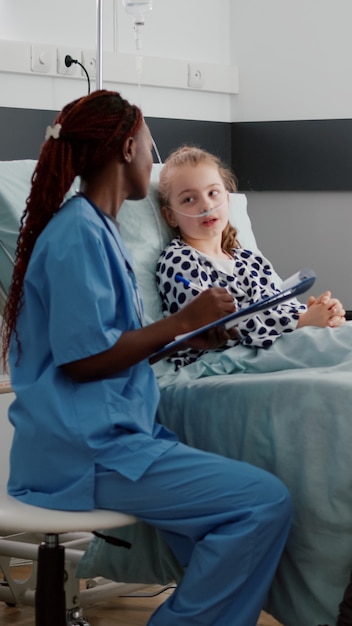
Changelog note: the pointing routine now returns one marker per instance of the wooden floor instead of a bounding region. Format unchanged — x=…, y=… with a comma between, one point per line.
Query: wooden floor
x=119, y=612
x=132, y=611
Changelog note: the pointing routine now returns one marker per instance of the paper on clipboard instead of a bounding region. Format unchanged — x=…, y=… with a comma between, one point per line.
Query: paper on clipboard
x=296, y=284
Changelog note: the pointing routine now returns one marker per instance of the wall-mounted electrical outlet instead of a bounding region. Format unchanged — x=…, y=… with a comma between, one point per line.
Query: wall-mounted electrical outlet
x=61, y=67
x=89, y=60
x=195, y=75
x=42, y=59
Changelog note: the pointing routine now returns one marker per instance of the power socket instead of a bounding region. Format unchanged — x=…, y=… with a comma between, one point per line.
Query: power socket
x=89, y=60
x=61, y=67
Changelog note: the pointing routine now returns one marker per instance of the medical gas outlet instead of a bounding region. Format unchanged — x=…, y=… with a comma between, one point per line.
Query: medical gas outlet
x=195, y=76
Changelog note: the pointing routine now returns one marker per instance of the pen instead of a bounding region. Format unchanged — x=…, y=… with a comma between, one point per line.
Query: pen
x=180, y=279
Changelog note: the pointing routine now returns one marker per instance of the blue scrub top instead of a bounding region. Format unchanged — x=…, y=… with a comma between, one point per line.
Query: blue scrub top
x=79, y=296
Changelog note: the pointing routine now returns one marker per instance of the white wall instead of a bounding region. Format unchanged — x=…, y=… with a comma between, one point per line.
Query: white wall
x=295, y=230
x=193, y=30
x=294, y=61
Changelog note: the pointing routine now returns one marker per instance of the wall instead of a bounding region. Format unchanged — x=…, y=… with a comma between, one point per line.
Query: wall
x=295, y=230
x=294, y=59
x=22, y=134
x=294, y=63
x=180, y=30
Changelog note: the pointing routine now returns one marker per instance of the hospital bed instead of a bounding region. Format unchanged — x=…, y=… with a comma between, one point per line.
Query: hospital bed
x=268, y=409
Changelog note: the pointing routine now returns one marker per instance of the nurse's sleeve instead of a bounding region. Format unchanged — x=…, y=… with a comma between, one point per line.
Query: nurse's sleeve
x=85, y=296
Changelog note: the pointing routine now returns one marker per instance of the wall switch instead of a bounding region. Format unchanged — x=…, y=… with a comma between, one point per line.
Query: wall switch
x=89, y=60
x=195, y=75
x=42, y=59
x=61, y=67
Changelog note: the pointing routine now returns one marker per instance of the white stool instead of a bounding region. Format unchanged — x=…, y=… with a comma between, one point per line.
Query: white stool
x=16, y=517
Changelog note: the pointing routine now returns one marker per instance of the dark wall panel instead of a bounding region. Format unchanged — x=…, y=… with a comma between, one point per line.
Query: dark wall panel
x=213, y=136
x=22, y=134
x=307, y=155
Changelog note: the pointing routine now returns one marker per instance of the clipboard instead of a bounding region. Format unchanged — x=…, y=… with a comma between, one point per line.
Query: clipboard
x=296, y=284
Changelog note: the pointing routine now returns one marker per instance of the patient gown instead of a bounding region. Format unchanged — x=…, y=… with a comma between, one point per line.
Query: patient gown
x=248, y=277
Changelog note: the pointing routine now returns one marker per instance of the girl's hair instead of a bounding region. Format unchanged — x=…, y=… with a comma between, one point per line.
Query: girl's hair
x=87, y=134
x=191, y=155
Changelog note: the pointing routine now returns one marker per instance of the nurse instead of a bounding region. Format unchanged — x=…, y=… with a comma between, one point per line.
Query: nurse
x=86, y=396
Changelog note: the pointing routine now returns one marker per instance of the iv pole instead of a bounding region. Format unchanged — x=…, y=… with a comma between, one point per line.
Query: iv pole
x=99, y=60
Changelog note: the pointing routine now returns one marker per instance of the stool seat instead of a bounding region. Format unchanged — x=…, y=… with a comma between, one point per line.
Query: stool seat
x=18, y=517
x=54, y=542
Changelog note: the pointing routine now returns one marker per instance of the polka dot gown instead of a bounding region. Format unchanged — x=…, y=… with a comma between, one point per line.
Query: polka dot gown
x=251, y=281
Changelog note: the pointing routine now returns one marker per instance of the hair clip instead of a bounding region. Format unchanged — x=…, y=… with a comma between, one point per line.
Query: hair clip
x=53, y=131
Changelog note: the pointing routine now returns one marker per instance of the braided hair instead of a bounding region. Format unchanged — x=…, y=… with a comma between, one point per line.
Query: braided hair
x=86, y=135
x=191, y=155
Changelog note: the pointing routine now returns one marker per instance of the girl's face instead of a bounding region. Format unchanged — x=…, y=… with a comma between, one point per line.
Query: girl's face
x=198, y=202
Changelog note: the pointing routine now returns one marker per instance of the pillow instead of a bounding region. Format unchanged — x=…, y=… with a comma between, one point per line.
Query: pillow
x=15, y=181
x=146, y=234
x=143, y=228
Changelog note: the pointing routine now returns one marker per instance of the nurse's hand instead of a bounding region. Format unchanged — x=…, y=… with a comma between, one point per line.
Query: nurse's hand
x=210, y=305
x=138, y=344
x=214, y=338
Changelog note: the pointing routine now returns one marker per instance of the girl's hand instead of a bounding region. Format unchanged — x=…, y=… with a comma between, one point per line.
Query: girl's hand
x=323, y=311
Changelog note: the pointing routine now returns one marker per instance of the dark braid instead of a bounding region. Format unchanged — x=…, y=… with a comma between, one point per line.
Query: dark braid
x=93, y=131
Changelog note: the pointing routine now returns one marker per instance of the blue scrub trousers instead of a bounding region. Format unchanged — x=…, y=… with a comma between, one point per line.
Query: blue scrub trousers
x=227, y=523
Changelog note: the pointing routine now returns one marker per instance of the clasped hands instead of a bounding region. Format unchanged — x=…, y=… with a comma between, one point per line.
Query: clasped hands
x=212, y=304
x=323, y=311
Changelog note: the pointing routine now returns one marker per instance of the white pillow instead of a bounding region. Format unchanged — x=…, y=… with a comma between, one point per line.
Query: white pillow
x=15, y=181
x=239, y=218
x=142, y=227
x=146, y=234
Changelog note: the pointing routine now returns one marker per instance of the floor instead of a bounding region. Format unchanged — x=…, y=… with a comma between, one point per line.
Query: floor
x=121, y=611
